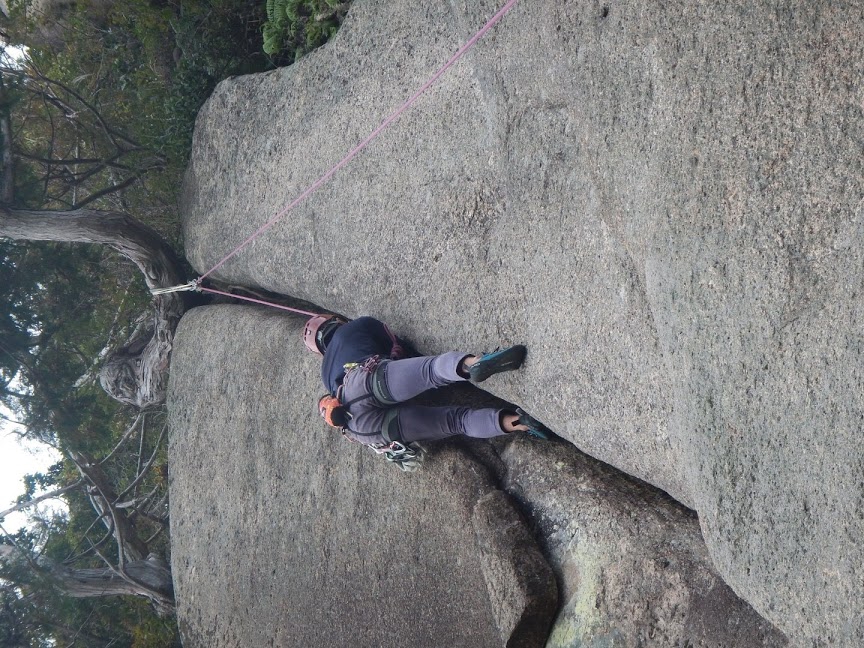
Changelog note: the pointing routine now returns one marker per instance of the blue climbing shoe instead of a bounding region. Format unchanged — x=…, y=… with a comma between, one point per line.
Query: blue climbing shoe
x=499, y=360
x=535, y=427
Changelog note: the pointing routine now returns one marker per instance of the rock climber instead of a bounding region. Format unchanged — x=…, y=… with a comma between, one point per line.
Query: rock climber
x=368, y=378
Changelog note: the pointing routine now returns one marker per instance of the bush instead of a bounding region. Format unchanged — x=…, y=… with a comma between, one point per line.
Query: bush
x=296, y=27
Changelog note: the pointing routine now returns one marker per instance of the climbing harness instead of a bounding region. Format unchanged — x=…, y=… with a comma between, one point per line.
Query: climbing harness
x=336, y=413
x=406, y=456
x=197, y=284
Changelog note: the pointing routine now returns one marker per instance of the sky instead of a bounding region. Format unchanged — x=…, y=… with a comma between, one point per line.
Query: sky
x=16, y=460
x=20, y=457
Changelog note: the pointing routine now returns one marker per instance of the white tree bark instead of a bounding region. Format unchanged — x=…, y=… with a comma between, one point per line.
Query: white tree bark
x=149, y=577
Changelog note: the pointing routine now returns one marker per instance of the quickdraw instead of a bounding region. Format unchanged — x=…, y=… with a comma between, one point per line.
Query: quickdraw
x=408, y=457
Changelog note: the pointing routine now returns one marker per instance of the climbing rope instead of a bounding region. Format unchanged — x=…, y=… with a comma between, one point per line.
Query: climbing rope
x=256, y=301
x=196, y=284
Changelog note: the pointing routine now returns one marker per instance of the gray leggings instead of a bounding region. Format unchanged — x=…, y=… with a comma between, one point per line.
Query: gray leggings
x=378, y=405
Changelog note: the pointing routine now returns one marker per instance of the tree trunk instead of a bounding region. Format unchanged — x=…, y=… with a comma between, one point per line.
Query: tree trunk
x=146, y=577
x=138, y=373
x=150, y=578
x=103, y=498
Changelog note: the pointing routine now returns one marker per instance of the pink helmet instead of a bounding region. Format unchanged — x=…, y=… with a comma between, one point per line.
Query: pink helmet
x=317, y=328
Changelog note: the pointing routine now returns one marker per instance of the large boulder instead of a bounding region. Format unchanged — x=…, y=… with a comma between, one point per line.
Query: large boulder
x=283, y=534
x=631, y=564
x=663, y=200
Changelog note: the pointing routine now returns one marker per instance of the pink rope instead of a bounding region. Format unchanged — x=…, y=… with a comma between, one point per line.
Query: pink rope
x=256, y=301
x=467, y=46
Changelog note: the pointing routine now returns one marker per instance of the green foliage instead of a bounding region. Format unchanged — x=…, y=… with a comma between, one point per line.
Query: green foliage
x=296, y=27
x=35, y=611
x=147, y=66
x=55, y=318
x=35, y=616
x=59, y=302
x=41, y=481
x=212, y=41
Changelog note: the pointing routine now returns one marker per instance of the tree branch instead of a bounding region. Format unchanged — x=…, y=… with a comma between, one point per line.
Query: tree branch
x=105, y=163
x=74, y=557
x=36, y=500
x=124, y=438
x=138, y=378
x=147, y=466
x=7, y=167
x=14, y=422
x=128, y=182
x=128, y=543
x=6, y=552
x=112, y=134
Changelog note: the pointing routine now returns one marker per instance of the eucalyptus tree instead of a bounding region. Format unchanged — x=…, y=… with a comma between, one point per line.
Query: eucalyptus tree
x=60, y=157
x=64, y=174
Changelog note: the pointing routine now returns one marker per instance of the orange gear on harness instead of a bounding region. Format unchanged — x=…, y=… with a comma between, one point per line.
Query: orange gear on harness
x=333, y=412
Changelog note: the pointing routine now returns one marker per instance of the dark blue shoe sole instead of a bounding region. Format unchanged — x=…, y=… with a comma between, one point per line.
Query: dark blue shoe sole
x=535, y=427
x=507, y=359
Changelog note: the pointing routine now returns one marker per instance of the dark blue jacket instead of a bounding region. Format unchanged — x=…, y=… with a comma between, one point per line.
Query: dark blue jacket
x=354, y=342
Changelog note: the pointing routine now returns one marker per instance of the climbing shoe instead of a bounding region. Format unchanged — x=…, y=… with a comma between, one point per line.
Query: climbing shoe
x=535, y=427
x=499, y=360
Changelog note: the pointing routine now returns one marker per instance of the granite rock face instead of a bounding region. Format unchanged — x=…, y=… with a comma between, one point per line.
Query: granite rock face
x=283, y=534
x=631, y=564
x=662, y=200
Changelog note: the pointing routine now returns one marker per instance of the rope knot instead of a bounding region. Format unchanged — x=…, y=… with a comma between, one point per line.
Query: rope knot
x=194, y=286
